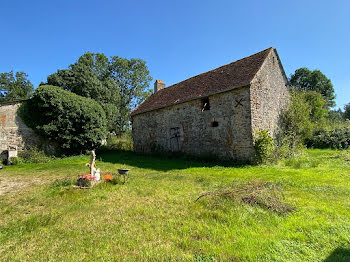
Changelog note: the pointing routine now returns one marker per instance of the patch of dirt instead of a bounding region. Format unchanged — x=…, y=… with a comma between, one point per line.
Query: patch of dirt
x=10, y=184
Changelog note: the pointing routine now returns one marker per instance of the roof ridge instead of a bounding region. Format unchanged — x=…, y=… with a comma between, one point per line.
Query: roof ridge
x=267, y=53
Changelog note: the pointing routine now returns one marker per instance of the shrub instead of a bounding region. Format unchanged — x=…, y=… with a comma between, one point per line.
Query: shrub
x=15, y=160
x=338, y=138
x=296, y=120
x=122, y=143
x=33, y=155
x=264, y=146
x=119, y=143
x=75, y=123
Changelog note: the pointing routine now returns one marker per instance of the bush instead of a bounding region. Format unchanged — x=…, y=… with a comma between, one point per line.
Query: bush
x=15, y=160
x=338, y=138
x=75, y=123
x=33, y=155
x=296, y=120
x=119, y=143
x=264, y=147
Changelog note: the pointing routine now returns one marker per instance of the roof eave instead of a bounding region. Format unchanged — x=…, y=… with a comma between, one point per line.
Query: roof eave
x=14, y=101
x=191, y=99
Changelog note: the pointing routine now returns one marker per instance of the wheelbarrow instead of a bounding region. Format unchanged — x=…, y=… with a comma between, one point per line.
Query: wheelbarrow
x=124, y=173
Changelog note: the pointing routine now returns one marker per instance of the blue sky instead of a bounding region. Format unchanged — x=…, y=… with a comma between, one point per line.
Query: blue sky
x=178, y=39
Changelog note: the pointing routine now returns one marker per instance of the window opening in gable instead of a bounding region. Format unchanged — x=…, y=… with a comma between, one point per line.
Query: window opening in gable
x=205, y=104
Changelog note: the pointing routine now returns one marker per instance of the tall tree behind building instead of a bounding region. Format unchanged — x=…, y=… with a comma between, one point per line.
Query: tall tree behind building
x=118, y=84
x=307, y=80
x=15, y=86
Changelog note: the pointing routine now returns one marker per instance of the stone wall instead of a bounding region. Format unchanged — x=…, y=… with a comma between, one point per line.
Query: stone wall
x=13, y=132
x=269, y=94
x=223, y=131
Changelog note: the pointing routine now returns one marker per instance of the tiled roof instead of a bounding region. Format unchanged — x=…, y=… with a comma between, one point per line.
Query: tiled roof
x=236, y=74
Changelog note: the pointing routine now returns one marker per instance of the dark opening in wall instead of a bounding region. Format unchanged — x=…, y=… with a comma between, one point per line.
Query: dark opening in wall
x=215, y=124
x=205, y=104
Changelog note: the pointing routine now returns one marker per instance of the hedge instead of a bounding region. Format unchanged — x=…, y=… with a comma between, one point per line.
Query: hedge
x=338, y=138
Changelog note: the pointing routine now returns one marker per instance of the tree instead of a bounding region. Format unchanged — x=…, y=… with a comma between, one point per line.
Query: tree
x=336, y=115
x=118, y=84
x=307, y=80
x=347, y=111
x=15, y=86
x=318, y=106
x=296, y=120
x=73, y=122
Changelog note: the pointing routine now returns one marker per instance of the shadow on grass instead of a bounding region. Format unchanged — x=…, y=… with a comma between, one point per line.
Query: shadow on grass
x=161, y=163
x=339, y=255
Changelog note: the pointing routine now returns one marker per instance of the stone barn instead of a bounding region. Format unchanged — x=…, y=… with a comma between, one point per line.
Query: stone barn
x=14, y=134
x=215, y=113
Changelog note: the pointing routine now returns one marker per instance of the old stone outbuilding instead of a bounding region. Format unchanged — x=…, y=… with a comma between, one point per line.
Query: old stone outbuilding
x=216, y=113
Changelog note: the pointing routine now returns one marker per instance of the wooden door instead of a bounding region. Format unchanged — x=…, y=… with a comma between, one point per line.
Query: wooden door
x=174, y=139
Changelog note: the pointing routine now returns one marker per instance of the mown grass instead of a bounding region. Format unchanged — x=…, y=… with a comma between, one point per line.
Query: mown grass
x=154, y=216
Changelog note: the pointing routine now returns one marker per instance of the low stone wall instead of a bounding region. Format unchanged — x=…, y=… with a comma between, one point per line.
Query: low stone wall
x=13, y=132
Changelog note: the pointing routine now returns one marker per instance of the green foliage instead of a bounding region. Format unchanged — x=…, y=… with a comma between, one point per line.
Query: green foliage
x=338, y=138
x=118, y=84
x=63, y=182
x=119, y=143
x=15, y=86
x=296, y=120
x=347, y=111
x=33, y=155
x=319, y=110
x=264, y=146
x=336, y=116
x=15, y=160
x=307, y=80
x=74, y=122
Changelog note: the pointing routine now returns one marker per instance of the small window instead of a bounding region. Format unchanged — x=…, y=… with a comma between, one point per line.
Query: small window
x=205, y=104
x=215, y=124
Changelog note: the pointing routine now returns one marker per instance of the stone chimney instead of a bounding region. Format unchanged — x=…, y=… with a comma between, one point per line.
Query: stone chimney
x=158, y=85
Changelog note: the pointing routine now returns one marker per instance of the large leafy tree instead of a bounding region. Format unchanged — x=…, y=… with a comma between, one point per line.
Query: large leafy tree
x=118, y=84
x=15, y=86
x=307, y=80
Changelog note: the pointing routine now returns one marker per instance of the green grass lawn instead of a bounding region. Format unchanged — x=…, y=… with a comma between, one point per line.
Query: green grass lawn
x=154, y=216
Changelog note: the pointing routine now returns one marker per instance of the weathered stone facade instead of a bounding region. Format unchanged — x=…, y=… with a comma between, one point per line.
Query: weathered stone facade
x=197, y=133
x=13, y=132
x=269, y=94
x=226, y=128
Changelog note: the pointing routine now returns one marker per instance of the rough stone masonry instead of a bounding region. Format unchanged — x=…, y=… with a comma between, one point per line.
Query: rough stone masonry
x=216, y=113
x=13, y=132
